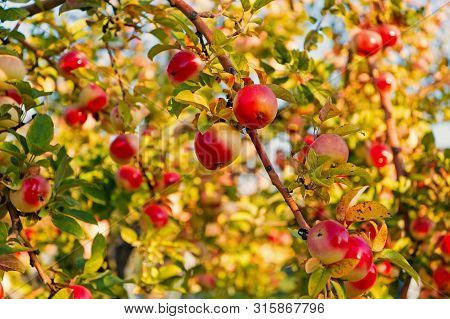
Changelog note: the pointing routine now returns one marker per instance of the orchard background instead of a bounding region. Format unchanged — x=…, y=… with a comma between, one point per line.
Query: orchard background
x=104, y=193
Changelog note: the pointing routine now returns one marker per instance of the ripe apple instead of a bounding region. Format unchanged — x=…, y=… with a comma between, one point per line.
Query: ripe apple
x=80, y=292
x=75, y=116
x=12, y=67
x=328, y=241
x=333, y=146
x=2, y=293
x=389, y=34
x=441, y=278
x=385, y=268
x=34, y=193
x=184, y=66
x=421, y=227
x=218, y=146
x=93, y=97
x=171, y=178
x=157, y=213
x=385, y=83
x=137, y=115
x=12, y=93
x=358, y=249
x=124, y=148
x=357, y=288
x=380, y=154
x=207, y=281
x=129, y=178
x=72, y=60
x=13, y=120
x=255, y=106
x=367, y=43
x=445, y=244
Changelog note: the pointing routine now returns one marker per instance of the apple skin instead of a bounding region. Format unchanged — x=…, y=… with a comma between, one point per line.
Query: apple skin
x=358, y=249
x=12, y=67
x=421, y=227
x=184, y=66
x=380, y=154
x=441, y=278
x=80, y=292
x=171, y=178
x=137, y=115
x=157, y=214
x=328, y=241
x=389, y=34
x=124, y=148
x=357, y=288
x=445, y=244
x=12, y=93
x=75, y=116
x=385, y=83
x=255, y=106
x=72, y=60
x=333, y=146
x=93, y=97
x=218, y=147
x=385, y=268
x=367, y=43
x=129, y=178
x=2, y=293
x=14, y=114
x=33, y=195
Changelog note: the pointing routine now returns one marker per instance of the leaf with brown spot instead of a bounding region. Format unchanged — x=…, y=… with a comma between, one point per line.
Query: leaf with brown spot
x=347, y=201
x=343, y=267
x=11, y=263
x=380, y=239
x=366, y=211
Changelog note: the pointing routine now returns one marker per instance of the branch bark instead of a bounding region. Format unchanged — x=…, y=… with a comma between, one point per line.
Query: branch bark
x=42, y=6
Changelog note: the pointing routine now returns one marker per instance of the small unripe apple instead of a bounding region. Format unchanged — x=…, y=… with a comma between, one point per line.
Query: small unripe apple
x=33, y=195
x=255, y=106
x=367, y=43
x=137, y=115
x=93, y=97
x=2, y=293
x=358, y=249
x=80, y=292
x=385, y=268
x=124, y=148
x=333, y=146
x=421, y=227
x=380, y=154
x=72, y=60
x=218, y=146
x=12, y=67
x=13, y=119
x=385, y=82
x=445, y=244
x=12, y=93
x=184, y=66
x=357, y=288
x=157, y=214
x=129, y=178
x=389, y=34
x=171, y=178
x=328, y=241
x=441, y=278
x=75, y=116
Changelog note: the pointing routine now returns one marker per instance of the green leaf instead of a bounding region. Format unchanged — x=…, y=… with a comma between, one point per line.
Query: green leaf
x=68, y=225
x=64, y=293
x=81, y=215
x=3, y=232
x=98, y=255
x=13, y=247
x=240, y=62
x=155, y=50
x=63, y=171
x=40, y=134
x=128, y=235
x=219, y=38
x=282, y=93
x=317, y=281
x=400, y=261
x=259, y=4
x=339, y=290
x=13, y=14
x=204, y=122
x=346, y=129
x=95, y=193
x=320, y=94
x=246, y=5
x=281, y=53
x=169, y=271
x=349, y=169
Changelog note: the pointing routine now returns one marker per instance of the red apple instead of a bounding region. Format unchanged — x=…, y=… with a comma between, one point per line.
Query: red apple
x=385, y=82
x=441, y=278
x=389, y=34
x=2, y=293
x=80, y=292
x=255, y=106
x=129, y=178
x=12, y=119
x=333, y=146
x=157, y=214
x=367, y=43
x=11, y=68
x=75, y=116
x=381, y=155
x=207, y=281
x=218, y=146
x=445, y=244
x=309, y=139
x=171, y=178
x=184, y=66
x=328, y=241
x=93, y=98
x=12, y=93
x=72, y=60
x=357, y=288
x=421, y=227
x=124, y=148
x=34, y=193
x=385, y=268
x=358, y=249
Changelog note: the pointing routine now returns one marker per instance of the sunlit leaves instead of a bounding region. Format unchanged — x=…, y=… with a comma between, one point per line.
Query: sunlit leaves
x=343, y=267
x=189, y=98
x=98, y=253
x=366, y=211
x=67, y=224
x=258, y=4
x=11, y=263
x=40, y=134
x=282, y=93
x=400, y=261
x=158, y=48
x=381, y=237
x=347, y=201
x=317, y=281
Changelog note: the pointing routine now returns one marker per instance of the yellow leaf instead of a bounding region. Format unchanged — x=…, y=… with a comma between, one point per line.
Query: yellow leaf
x=11, y=263
x=366, y=211
x=187, y=97
x=380, y=239
x=311, y=265
x=343, y=267
x=347, y=201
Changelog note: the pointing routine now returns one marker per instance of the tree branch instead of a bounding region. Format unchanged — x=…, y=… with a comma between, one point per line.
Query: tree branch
x=42, y=6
